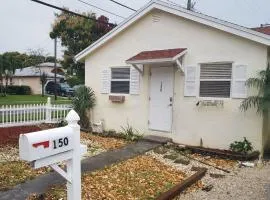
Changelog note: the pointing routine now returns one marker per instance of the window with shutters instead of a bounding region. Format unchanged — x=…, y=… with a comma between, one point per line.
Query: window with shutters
x=215, y=80
x=120, y=80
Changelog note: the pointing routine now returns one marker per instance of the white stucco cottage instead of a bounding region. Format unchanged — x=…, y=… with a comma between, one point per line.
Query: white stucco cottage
x=177, y=73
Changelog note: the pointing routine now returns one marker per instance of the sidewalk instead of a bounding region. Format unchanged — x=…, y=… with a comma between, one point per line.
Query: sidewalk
x=40, y=184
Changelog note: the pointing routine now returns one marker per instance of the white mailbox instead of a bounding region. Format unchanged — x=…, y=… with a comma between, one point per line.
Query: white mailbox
x=37, y=145
x=49, y=147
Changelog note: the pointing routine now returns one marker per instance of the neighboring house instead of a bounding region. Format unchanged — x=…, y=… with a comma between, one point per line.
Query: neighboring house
x=175, y=73
x=31, y=76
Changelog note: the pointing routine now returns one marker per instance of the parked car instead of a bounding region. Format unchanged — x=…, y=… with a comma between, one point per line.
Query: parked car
x=62, y=89
x=75, y=87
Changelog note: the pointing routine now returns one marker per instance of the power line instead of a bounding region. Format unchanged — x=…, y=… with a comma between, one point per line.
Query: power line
x=120, y=4
x=71, y=12
x=101, y=9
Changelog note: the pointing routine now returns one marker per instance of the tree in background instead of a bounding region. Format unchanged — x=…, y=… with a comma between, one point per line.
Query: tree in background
x=43, y=80
x=77, y=33
x=10, y=61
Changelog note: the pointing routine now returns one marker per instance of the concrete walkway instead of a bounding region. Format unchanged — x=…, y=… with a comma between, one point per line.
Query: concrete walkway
x=40, y=184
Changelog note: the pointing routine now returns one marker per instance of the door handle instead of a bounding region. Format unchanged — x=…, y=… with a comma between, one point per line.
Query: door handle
x=170, y=104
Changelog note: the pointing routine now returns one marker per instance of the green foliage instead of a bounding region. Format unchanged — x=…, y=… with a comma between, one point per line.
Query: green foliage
x=62, y=123
x=241, y=146
x=77, y=33
x=84, y=99
x=18, y=90
x=261, y=101
x=130, y=133
x=74, y=80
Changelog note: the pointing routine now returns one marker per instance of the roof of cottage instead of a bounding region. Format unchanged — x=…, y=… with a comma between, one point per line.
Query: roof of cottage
x=157, y=54
x=49, y=64
x=33, y=72
x=264, y=29
x=254, y=35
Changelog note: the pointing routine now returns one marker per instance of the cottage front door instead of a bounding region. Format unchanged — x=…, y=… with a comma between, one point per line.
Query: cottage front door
x=161, y=98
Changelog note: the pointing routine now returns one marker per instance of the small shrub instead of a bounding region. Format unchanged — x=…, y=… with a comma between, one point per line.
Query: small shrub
x=84, y=99
x=241, y=146
x=19, y=90
x=62, y=123
x=129, y=133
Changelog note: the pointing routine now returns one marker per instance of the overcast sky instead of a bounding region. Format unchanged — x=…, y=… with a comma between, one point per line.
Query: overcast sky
x=26, y=24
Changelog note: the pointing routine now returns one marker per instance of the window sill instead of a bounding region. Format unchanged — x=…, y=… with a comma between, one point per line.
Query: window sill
x=214, y=98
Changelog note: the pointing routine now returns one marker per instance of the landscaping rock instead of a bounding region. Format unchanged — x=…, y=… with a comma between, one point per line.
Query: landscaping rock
x=161, y=150
x=216, y=175
x=187, y=151
x=182, y=160
x=171, y=156
x=181, y=147
x=207, y=188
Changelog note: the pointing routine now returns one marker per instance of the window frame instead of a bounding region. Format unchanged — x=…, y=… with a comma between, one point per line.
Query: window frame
x=119, y=80
x=199, y=81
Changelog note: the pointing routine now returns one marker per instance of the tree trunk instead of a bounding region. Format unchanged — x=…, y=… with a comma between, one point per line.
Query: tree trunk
x=42, y=89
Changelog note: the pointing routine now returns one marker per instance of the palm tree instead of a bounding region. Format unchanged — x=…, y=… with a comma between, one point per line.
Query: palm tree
x=84, y=100
x=261, y=101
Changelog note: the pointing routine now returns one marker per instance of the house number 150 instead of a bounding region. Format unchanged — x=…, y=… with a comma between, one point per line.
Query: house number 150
x=61, y=142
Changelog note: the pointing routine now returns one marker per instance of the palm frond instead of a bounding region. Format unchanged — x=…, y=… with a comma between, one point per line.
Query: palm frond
x=252, y=102
x=256, y=83
x=83, y=100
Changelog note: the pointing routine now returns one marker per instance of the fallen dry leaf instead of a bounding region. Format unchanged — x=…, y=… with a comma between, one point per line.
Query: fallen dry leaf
x=142, y=177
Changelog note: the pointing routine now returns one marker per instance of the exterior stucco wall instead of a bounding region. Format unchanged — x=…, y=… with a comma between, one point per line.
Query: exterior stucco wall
x=32, y=82
x=217, y=127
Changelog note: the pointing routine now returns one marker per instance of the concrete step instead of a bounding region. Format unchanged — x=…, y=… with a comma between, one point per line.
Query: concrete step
x=156, y=139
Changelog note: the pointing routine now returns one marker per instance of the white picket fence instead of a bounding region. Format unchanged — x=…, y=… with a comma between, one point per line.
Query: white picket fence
x=29, y=114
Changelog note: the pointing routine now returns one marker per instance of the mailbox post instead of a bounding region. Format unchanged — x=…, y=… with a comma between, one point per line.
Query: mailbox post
x=74, y=164
x=49, y=147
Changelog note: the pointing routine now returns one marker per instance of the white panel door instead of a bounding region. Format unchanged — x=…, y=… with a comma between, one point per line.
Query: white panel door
x=161, y=98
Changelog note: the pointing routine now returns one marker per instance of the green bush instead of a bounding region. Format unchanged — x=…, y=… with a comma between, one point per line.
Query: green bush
x=19, y=90
x=130, y=133
x=241, y=146
x=74, y=80
x=84, y=99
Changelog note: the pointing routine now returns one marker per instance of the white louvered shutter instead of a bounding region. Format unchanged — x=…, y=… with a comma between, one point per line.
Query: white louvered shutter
x=239, y=89
x=190, y=81
x=134, y=81
x=106, y=81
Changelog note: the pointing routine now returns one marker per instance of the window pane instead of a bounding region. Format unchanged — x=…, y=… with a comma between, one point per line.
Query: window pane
x=120, y=73
x=216, y=71
x=215, y=89
x=120, y=87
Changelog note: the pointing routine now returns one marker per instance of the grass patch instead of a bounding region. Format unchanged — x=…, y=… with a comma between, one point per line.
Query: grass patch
x=30, y=99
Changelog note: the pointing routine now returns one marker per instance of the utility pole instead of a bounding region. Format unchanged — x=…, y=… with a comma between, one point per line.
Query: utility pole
x=55, y=69
x=189, y=5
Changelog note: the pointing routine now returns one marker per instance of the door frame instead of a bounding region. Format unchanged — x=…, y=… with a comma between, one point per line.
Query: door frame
x=173, y=94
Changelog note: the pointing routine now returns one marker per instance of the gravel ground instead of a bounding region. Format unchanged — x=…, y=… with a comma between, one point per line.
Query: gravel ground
x=241, y=184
